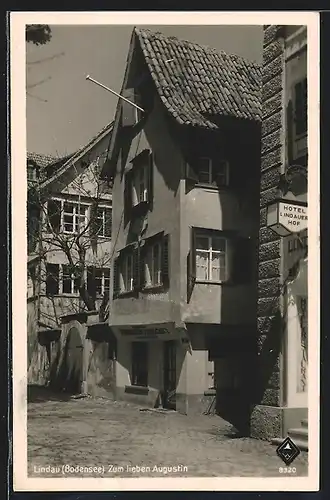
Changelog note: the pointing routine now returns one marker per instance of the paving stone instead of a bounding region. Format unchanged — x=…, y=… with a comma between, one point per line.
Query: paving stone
x=95, y=432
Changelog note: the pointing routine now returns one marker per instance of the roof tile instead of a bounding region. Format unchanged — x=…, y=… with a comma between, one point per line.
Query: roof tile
x=200, y=80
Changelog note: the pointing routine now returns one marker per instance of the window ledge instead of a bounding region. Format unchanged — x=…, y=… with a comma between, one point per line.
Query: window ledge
x=205, y=282
x=62, y=295
x=210, y=392
x=122, y=295
x=137, y=389
x=210, y=187
x=153, y=289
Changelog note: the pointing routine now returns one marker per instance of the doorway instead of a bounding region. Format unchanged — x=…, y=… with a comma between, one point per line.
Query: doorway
x=169, y=375
x=73, y=361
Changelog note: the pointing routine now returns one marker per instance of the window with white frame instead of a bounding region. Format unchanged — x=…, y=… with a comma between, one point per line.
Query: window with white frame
x=67, y=216
x=140, y=184
x=212, y=171
x=98, y=280
x=103, y=221
x=70, y=284
x=153, y=265
x=60, y=279
x=211, y=258
x=74, y=217
x=126, y=273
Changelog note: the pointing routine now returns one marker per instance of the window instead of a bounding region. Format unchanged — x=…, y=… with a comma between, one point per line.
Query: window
x=70, y=217
x=126, y=273
x=98, y=281
x=153, y=265
x=31, y=173
x=52, y=279
x=300, y=107
x=139, y=185
x=70, y=284
x=59, y=279
x=211, y=375
x=103, y=221
x=139, y=364
x=74, y=217
x=211, y=258
x=220, y=257
x=212, y=171
x=141, y=268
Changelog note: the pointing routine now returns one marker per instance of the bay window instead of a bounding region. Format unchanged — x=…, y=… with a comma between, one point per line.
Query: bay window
x=141, y=268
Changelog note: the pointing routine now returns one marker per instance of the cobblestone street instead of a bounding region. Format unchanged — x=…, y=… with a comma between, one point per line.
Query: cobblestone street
x=118, y=436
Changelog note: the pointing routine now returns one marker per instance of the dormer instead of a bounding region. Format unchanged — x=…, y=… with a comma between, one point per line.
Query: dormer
x=32, y=172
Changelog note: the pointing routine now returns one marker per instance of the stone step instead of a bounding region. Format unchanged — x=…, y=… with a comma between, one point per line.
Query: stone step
x=304, y=422
x=302, y=444
x=299, y=433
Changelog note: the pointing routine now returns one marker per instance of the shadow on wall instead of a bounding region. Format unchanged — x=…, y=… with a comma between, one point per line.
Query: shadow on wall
x=66, y=371
x=266, y=388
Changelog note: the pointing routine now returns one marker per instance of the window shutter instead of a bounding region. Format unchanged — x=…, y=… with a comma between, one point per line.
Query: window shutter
x=128, y=111
x=243, y=261
x=93, y=227
x=128, y=194
x=165, y=275
x=191, y=175
x=191, y=264
x=116, y=282
x=108, y=222
x=91, y=285
x=136, y=269
x=52, y=279
x=150, y=179
x=54, y=215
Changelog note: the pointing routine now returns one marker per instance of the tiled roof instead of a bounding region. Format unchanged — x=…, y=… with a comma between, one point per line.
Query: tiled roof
x=196, y=82
x=69, y=160
x=42, y=160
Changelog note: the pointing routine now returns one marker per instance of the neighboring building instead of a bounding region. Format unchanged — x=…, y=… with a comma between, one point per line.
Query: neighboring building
x=185, y=224
x=69, y=228
x=282, y=305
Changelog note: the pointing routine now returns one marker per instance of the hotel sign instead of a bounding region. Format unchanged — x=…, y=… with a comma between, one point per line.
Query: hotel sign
x=292, y=216
x=287, y=217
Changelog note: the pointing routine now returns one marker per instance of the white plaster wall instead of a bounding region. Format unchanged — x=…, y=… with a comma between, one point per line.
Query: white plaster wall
x=123, y=363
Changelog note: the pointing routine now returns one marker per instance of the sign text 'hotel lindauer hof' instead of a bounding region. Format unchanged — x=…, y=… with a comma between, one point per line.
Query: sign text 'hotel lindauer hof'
x=292, y=216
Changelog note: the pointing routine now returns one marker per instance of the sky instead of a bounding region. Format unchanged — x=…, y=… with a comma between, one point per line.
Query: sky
x=65, y=110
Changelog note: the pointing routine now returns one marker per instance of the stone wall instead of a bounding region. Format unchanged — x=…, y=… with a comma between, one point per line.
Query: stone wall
x=265, y=420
